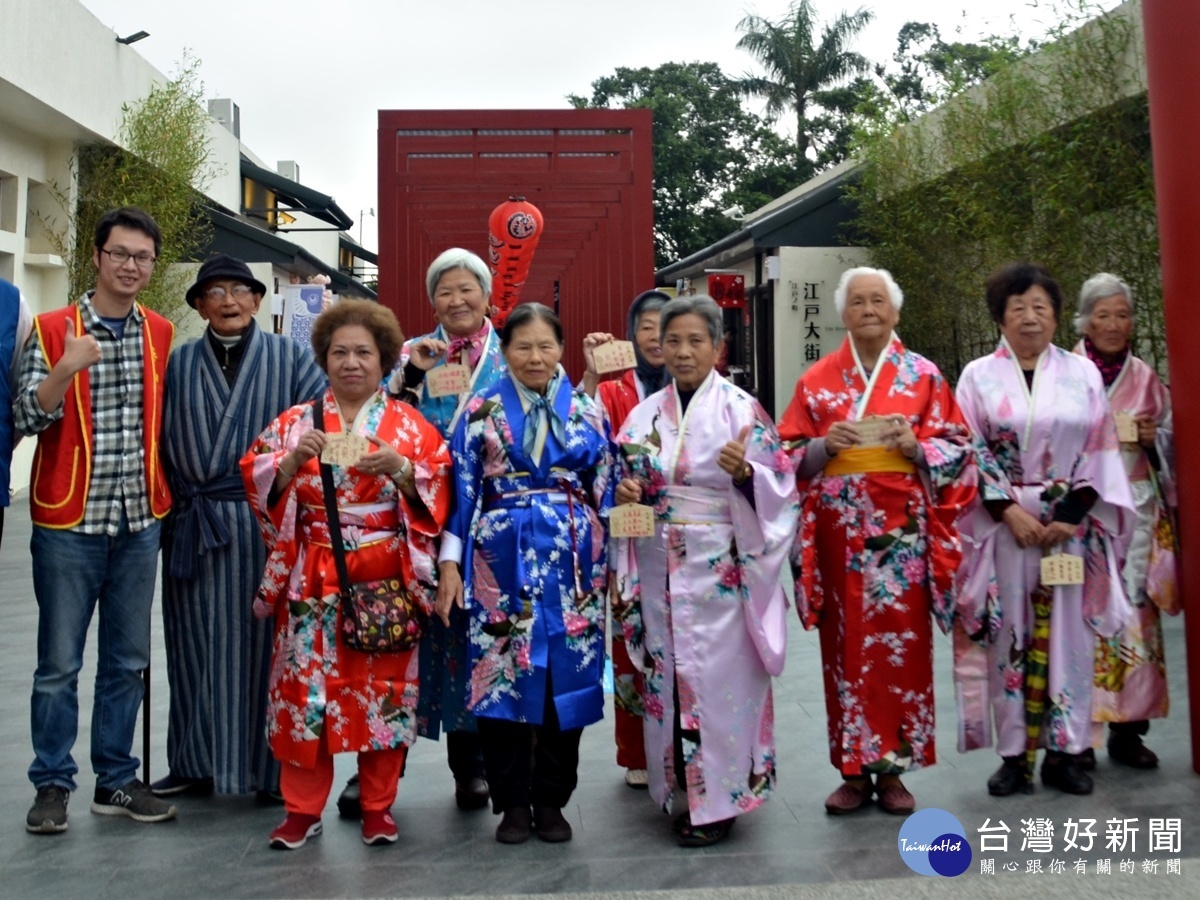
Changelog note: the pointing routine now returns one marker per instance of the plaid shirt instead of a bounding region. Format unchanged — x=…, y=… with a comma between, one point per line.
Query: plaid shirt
x=118, y=484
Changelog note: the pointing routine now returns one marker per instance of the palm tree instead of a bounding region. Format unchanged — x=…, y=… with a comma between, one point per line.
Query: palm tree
x=796, y=68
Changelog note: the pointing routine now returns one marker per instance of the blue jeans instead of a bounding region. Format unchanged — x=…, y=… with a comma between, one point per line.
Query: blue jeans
x=71, y=572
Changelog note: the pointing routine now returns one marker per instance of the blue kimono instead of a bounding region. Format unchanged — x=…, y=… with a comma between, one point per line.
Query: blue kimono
x=534, y=565
x=444, y=650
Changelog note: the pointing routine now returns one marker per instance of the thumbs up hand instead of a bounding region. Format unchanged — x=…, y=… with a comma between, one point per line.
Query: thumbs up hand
x=733, y=457
x=78, y=352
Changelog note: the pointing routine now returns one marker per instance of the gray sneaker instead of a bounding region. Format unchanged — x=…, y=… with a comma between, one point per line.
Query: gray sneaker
x=132, y=799
x=48, y=815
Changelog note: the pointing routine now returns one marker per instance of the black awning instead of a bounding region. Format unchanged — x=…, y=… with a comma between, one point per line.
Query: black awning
x=357, y=250
x=249, y=243
x=305, y=199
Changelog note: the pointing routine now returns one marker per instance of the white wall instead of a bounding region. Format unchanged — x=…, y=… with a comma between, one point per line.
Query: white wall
x=804, y=297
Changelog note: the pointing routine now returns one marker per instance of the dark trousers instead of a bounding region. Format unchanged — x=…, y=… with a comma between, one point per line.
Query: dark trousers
x=464, y=752
x=1136, y=728
x=530, y=765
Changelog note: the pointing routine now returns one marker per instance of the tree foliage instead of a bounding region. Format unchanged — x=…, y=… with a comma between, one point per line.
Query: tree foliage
x=802, y=66
x=161, y=165
x=1046, y=160
x=709, y=151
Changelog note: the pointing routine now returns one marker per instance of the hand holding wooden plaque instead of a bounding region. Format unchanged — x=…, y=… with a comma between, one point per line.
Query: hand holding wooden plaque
x=344, y=449
x=447, y=380
x=614, y=356
x=873, y=431
x=1127, y=430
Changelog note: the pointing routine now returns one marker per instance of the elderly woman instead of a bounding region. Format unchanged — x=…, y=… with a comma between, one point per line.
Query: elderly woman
x=325, y=697
x=701, y=601
x=459, y=286
x=1052, y=481
x=1131, y=675
x=620, y=396
x=524, y=555
x=884, y=464
x=221, y=391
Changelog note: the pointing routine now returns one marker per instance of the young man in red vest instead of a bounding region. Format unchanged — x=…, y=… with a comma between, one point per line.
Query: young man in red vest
x=91, y=389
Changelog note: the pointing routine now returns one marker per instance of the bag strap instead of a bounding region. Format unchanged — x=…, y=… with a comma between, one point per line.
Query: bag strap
x=331, y=510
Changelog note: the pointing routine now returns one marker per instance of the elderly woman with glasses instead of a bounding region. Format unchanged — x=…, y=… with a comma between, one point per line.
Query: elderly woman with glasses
x=885, y=465
x=1131, y=674
x=524, y=555
x=701, y=602
x=1052, y=482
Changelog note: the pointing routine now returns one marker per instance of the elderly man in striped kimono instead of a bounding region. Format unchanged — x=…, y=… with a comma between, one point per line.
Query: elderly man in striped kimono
x=222, y=390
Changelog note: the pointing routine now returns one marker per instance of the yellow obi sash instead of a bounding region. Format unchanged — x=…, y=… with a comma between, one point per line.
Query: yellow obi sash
x=860, y=460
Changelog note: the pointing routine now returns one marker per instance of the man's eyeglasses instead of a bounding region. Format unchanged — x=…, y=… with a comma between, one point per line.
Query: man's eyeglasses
x=120, y=257
x=216, y=293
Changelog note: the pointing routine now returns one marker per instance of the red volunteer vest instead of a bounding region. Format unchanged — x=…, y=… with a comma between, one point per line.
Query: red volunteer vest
x=62, y=462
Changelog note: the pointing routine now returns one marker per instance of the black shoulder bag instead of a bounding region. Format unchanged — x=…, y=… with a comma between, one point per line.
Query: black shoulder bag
x=377, y=616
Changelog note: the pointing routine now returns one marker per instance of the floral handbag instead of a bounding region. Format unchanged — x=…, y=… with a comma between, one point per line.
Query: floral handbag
x=377, y=616
x=1162, y=583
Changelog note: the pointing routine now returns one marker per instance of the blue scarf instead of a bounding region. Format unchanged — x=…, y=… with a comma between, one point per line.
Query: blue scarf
x=541, y=408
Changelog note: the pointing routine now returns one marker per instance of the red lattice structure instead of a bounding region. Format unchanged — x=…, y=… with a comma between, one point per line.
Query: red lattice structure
x=589, y=171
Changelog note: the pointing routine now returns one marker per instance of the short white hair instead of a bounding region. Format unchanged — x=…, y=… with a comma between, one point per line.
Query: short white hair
x=843, y=287
x=458, y=258
x=1097, y=288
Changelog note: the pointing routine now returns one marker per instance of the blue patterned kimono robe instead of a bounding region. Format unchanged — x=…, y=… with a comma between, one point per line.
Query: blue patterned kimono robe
x=444, y=665
x=534, y=565
x=218, y=654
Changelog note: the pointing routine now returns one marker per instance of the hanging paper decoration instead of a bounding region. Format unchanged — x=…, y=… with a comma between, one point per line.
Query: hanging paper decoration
x=514, y=229
x=727, y=290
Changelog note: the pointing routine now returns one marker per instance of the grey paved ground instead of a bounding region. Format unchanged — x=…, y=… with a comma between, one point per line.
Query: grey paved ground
x=622, y=847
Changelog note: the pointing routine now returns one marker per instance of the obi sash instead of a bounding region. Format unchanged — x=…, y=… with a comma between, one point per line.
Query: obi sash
x=691, y=505
x=863, y=460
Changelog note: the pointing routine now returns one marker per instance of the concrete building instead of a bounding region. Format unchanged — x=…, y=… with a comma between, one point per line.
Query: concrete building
x=63, y=87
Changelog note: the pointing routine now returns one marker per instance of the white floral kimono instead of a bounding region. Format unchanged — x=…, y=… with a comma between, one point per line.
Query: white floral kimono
x=706, y=613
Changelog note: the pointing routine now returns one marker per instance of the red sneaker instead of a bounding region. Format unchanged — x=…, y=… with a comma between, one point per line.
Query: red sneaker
x=294, y=830
x=378, y=827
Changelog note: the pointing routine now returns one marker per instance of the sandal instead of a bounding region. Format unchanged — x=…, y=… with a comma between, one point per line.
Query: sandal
x=702, y=835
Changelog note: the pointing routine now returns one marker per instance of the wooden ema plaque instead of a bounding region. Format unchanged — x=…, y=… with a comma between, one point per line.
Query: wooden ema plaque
x=631, y=520
x=344, y=449
x=615, y=356
x=447, y=380
x=1062, y=568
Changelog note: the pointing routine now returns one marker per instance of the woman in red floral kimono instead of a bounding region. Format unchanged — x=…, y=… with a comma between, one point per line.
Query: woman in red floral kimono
x=323, y=697
x=884, y=465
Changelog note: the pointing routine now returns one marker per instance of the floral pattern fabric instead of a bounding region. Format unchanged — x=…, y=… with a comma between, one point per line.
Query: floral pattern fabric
x=319, y=689
x=445, y=665
x=534, y=562
x=702, y=607
x=876, y=554
x=1035, y=446
x=1131, y=669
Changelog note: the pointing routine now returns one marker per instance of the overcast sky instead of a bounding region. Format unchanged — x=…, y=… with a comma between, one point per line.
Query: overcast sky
x=297, y=65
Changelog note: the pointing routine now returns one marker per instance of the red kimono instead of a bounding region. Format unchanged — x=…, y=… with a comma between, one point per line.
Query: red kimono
x=876, y=552
x=619, y=396
x=320, y=690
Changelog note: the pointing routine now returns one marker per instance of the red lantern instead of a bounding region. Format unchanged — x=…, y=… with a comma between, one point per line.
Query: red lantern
x=514, y=229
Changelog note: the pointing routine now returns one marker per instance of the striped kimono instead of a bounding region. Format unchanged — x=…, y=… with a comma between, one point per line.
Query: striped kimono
x=218, y=654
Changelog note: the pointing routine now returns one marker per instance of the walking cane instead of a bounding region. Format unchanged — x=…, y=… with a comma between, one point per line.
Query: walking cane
x=146, y=725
